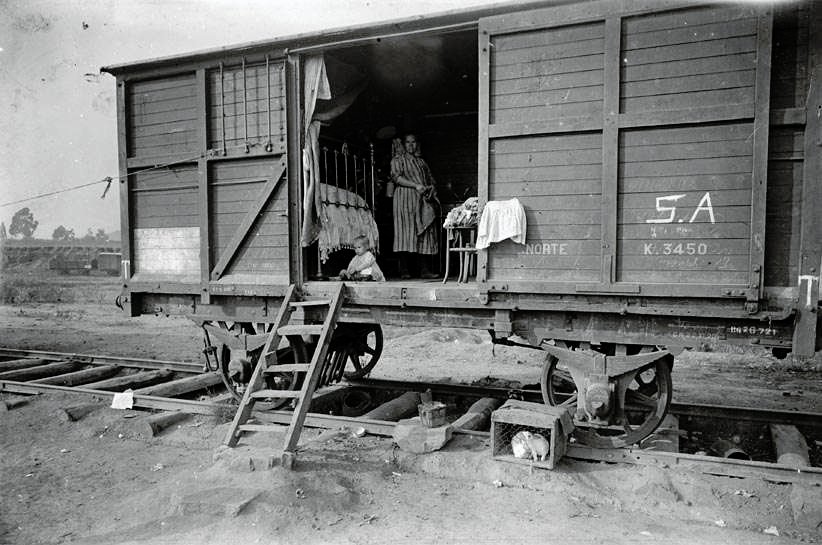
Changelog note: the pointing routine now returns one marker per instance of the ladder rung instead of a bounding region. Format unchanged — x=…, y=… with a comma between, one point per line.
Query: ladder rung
x=264, y=394
x=288, y=368
x=311, y=303
x=309, y=329
x=259, y=427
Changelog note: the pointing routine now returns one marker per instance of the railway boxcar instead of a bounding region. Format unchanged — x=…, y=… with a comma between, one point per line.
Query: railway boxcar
x=109, y=262
x=666, y=155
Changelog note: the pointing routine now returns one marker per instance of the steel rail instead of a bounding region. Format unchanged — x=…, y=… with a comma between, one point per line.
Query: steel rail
x=704, y=464
x=94, y=359
x=140, y=400
x=450, y=389
x=709, y=465
x=314, y=420
x=765, y=416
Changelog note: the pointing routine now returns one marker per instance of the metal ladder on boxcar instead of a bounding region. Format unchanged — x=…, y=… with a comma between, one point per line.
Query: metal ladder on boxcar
x=267, y=363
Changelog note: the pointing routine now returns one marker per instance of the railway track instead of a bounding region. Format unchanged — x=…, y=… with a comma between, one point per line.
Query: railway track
x=188, y=387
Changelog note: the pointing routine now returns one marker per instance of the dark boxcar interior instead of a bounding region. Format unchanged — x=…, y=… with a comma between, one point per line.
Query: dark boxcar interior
x=426, y=85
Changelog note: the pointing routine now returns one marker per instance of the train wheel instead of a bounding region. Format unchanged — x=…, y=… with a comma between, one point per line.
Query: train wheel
x=292, y=351
x=363, y=351
x=645, y=400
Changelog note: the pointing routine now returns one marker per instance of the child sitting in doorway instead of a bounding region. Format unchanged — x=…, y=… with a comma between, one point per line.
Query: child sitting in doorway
x=363, y=265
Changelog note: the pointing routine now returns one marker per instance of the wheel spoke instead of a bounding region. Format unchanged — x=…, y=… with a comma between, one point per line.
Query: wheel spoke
x=363, y=348
x=640, y=399
x=364, y=344
x=570, y=401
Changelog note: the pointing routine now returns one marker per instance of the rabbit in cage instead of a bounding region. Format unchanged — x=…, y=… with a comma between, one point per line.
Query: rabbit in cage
x=520, y=444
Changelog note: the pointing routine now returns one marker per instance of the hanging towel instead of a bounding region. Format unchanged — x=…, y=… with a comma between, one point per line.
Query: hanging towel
x=501, y=220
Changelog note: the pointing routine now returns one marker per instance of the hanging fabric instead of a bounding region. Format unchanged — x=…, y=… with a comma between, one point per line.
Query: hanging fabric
x=316, y=86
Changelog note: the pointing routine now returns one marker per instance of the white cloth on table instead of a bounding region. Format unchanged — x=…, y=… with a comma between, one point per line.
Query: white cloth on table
x=501, y=220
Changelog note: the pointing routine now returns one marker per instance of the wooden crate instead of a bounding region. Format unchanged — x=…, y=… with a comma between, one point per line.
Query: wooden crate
x=553, y=423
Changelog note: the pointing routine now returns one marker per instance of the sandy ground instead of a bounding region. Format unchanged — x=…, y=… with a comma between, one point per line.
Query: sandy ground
x=105, y=479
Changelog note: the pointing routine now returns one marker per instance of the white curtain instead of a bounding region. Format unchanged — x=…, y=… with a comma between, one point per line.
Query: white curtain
x=316, y=86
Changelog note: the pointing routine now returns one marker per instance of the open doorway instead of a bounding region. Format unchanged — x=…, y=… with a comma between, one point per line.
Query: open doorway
x=426, y=85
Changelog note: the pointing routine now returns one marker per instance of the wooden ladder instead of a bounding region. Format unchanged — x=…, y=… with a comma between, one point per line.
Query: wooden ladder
x=267, y=363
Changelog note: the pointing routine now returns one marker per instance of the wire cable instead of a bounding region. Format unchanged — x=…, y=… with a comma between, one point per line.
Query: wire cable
x=107, y=180
x=55, y=192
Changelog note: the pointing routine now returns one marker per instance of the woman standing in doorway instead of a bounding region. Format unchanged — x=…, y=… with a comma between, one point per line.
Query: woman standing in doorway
x=415, y=226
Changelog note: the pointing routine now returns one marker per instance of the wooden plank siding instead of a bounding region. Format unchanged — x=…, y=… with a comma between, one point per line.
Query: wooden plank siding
x=789, y=77
x=165, y=223
x=162, y=116
x=782, y=230
x=234, y=187
x=559, y=179
x=244, y=111
x=545, y=75
x=685, y=59
x=665, y=100
x=786, y=161
x=165, y=198
x=685, y=203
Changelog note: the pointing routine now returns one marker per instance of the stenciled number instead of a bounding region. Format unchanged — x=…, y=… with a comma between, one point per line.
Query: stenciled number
x=674, y=248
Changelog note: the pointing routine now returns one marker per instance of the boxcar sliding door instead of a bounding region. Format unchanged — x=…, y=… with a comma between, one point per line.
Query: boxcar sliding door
x=635, y=135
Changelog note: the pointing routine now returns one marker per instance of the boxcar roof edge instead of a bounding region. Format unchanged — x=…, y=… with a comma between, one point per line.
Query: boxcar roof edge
x=354, y=32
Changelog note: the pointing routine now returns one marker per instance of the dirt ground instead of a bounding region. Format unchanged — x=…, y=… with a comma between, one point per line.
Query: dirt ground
x=105, y=480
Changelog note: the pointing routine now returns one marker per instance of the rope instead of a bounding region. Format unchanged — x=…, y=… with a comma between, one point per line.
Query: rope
x=107, y=180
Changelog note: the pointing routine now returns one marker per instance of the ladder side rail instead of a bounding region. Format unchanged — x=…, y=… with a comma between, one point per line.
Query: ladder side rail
x=310, y=384
x=247, y=403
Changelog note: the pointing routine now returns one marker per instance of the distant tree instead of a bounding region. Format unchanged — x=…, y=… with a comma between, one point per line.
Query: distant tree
x=61, y=233
x=89, y=235
x=3, y=235
x=101, y=235
x=23, y=224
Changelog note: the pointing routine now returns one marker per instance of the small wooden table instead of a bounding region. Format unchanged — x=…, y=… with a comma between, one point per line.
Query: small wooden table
x=461, y=240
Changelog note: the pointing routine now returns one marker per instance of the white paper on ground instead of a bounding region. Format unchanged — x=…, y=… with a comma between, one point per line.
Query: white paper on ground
x=124, y=400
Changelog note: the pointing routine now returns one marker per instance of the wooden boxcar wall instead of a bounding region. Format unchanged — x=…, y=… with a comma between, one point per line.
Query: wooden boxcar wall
x=786, y=158
x=639, y=144
x=205, y=156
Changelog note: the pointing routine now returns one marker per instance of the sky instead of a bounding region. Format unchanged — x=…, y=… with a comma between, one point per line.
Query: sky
x=58, y=128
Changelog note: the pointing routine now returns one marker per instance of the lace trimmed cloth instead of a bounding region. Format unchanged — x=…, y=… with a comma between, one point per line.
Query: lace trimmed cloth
x=343, y=217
